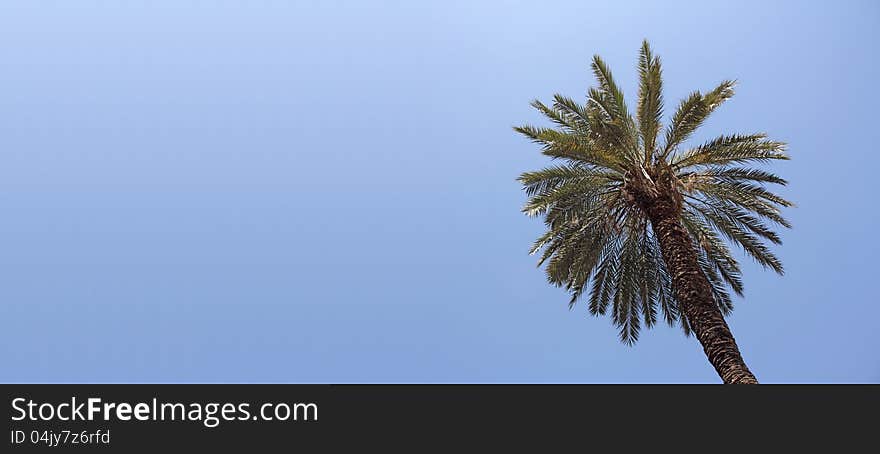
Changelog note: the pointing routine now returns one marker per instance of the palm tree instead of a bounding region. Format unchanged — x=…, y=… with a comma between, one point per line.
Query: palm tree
x=636, y=224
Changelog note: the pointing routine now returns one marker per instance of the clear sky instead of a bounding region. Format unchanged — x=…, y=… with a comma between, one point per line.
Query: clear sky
x=268, y=191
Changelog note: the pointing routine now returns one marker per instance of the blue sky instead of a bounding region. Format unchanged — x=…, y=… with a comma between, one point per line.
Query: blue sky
x=220, y=191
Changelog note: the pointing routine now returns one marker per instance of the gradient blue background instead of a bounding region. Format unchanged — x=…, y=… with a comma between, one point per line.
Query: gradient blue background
x=221, y=191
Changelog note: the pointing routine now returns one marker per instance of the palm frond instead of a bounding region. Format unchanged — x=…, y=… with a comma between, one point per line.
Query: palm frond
x=726, y=174
x=692, y=112
x=738, y=233
x=572, y=147
x=552, y=177
x=752, y=198
x=610, y=99
x=732, y=149
x=650, y=102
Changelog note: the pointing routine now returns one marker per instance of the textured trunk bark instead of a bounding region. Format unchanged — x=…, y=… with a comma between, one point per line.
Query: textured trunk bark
x=694, y=293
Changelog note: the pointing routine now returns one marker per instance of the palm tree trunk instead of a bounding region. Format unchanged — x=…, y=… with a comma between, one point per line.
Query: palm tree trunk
x=694, y=293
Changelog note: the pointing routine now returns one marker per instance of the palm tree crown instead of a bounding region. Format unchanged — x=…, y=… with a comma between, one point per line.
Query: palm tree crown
x=599, y=243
